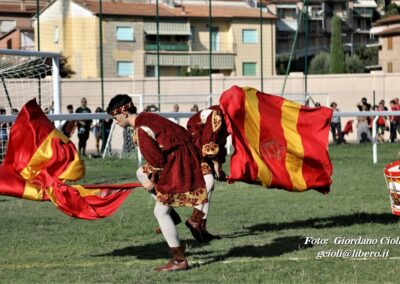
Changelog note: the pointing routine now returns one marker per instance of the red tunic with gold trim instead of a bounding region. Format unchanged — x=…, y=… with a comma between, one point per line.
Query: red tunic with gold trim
x=209, y=133
x=172, y=158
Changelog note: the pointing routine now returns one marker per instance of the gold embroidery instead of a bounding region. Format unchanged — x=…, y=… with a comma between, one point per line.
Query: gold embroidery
x=186, y=199
x=135, y=137
x=216, y=121
x=206, y=169
x=210, y=149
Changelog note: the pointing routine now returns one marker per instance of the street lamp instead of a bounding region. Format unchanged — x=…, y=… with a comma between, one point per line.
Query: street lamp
x=352, y=36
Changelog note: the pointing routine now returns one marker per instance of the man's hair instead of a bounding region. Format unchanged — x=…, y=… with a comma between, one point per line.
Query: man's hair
x=119, y=101
x=2, y=110
x=70, y=107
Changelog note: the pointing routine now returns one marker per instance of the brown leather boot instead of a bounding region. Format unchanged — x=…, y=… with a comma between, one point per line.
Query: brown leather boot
x=194, y=224
x=206, y=235
x=175, y=218
x=178, y=260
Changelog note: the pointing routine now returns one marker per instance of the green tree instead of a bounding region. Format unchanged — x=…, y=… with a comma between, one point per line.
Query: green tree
x=320, y=64
x=337, y=52
x=354, y=64
x=65, y=69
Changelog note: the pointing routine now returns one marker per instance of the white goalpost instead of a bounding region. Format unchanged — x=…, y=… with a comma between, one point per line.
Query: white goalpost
x=25, y=75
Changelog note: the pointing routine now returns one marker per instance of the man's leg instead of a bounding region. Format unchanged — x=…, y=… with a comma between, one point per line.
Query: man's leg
x=178, y=260
x=209, y=179
x=197, y=222
x=149, y=186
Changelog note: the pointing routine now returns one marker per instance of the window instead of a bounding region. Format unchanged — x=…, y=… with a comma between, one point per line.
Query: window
x=389, y=43
x=390, y=67
x=214, y=39
x=249, y=68
x=125, y=68
x=192, y=31
x=56, y=36
x=249, y=36
x=125, y=34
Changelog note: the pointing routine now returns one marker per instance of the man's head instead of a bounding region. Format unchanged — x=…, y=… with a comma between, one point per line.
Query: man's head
x=14, y=111
x=70, y=108
x=83, y=102
x=120, y=107
x=2, y=111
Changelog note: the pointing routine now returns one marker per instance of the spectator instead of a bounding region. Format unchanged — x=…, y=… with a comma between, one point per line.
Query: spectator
x=336, y=127
x=363, y=132
x=195, y=108
x=151, y=108
x=105, y=126
x=83, y=127
x=381, y=123
x=175, y=109
x=317, y=104
x=393, y=122
x=68, y=126
x=364, y=102
x=96, y=130
x=3, y=135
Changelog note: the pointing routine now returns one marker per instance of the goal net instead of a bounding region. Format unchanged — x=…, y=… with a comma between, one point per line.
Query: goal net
x=25, y=75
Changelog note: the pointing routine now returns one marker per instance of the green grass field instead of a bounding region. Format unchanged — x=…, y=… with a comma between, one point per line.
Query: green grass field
x=264, y=232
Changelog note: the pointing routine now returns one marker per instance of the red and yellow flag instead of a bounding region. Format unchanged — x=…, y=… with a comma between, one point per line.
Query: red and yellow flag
x=278, y=143
x=40, y=158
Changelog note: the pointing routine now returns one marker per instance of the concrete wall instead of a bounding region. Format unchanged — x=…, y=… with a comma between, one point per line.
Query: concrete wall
x=346, y=90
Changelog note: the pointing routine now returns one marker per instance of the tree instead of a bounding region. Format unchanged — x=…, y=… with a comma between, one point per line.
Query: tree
x=337, y=52
x=320, y=64
x=354, y=64
x=65, y=69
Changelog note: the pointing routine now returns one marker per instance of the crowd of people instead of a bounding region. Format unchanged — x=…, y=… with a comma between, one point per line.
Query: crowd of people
x=364, y=123
x=100, y=128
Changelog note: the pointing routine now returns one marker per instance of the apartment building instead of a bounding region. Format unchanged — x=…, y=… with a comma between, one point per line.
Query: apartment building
x=356, y=16
x=130, y=37
x=16, y=31
x=388, y=32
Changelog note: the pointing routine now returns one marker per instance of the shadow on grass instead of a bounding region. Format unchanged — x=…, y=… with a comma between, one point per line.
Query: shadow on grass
x=147, y=251
x=327, y=222
x=278, y=247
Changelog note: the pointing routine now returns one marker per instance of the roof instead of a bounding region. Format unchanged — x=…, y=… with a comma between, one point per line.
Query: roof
x=392, y=31
x=7, y=8
x=388, y=20
x=186, y=11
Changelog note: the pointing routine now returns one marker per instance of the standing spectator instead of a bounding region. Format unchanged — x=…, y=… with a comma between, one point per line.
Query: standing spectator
x=96, y=130
x=105, y=127
x=363, y=132
x=393, y=122
x=83, y=127
x=68, y=126
x=3, y=135
x=175, y=109
x=336, y=127
x=195, y=108
x=364, y=102
x=381, y=123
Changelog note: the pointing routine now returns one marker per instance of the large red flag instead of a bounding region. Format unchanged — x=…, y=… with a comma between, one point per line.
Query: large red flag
x=40, y=158
x=278, y=143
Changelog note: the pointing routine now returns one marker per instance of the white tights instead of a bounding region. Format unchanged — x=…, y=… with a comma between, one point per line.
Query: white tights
x=161, y=211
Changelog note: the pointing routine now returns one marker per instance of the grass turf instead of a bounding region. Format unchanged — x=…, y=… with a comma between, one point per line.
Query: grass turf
x=264, y=232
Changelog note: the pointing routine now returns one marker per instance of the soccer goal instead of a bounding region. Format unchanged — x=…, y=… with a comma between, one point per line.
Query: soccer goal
x=25, y=75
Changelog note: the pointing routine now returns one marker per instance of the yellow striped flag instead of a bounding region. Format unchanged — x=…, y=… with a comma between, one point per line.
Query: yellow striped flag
x=40, y=158
x=278, y=143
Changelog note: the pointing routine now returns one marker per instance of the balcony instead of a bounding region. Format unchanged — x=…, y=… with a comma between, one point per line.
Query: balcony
x=167, y=47
x=363, y=12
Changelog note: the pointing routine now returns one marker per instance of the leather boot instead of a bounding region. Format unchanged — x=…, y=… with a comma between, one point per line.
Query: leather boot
x=194, y=224
x=175, y=218
x=178, y=260
x=206, y=235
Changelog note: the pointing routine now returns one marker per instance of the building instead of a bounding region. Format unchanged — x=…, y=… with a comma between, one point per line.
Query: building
x=16, y=31
x=356, y=16
x=388, y=31
x=130, y=37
